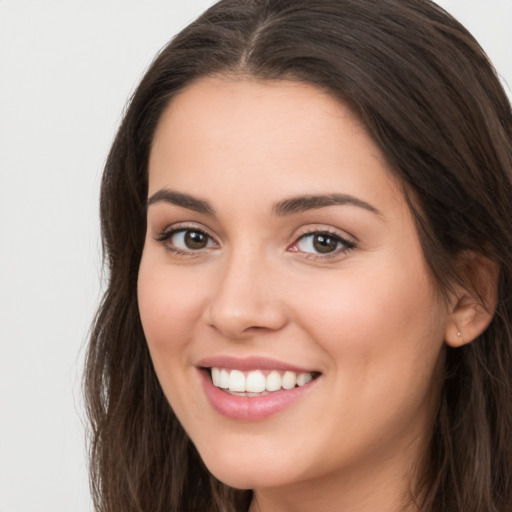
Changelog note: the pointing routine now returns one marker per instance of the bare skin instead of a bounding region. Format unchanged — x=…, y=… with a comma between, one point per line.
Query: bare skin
x=340, y=288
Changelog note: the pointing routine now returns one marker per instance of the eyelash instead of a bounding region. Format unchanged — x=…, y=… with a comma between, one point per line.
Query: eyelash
x=165, y=236
x=347, y=245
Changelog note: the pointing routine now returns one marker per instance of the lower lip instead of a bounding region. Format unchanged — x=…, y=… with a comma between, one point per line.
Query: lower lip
x=253, y=408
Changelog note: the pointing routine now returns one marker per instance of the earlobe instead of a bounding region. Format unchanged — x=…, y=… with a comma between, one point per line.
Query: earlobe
x=474, y=303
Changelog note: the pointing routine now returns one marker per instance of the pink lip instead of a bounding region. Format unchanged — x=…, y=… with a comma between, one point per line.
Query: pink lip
x=254, y=408
x=249, y=363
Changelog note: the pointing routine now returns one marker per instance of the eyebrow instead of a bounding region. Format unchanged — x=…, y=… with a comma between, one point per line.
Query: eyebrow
x=300, y=204
x=290, y=206
x=183, y=200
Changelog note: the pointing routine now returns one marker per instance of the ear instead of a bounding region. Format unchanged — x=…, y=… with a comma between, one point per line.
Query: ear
x=474, y=301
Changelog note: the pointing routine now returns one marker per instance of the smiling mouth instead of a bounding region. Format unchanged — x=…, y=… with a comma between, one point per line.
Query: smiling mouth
x=258, y=382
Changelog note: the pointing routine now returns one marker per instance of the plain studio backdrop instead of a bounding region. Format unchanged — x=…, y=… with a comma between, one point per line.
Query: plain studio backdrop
x=66, y=71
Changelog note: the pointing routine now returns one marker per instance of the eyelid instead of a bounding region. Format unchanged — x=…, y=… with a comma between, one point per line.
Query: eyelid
x=163, y=236
x=348, y=242
x=179, y=226
x=312, y=229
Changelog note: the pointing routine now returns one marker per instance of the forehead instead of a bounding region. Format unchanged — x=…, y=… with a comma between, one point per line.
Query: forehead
x=253, y=110
x=278, y=138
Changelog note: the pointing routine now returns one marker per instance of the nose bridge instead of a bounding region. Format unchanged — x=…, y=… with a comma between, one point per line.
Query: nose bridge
x=246, y=297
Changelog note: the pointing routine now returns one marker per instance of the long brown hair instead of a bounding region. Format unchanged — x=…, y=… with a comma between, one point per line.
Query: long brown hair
x=431, y=100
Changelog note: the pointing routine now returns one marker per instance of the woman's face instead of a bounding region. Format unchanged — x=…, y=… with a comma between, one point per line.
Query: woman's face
x=280, y=253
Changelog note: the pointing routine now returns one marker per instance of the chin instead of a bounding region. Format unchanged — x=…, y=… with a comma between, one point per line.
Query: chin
x=246, y=478
x=240, y=472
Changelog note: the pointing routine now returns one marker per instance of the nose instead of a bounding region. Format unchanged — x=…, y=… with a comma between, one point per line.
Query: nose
x=248, y=299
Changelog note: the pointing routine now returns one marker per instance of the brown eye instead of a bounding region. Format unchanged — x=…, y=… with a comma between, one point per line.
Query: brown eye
x=195, y=240
x=186, y=240
x=324, y=243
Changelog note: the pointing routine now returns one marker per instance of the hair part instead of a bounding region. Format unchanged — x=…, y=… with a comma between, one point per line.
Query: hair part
x=433, y=104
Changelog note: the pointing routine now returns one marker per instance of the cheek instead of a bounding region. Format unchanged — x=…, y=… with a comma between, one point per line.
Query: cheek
x=383, y=333
x=384, y=325
x=168, y=312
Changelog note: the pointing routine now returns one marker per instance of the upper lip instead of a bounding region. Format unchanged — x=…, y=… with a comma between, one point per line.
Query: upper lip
x=250, y=363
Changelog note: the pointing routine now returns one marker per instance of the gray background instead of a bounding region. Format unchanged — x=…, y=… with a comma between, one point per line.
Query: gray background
x=66, y=70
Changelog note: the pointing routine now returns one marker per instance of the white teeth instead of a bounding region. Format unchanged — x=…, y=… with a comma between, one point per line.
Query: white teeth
x=236, y=381
x=304, y=378
x=255, y=382
x=216, y=376
x=273, y=381
x=289, y=380
x=224, y=379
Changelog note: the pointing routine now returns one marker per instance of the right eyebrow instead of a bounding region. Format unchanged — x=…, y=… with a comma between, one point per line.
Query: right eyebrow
x=183, y=200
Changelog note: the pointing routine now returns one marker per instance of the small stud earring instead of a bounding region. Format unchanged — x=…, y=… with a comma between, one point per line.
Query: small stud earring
x=459, y=336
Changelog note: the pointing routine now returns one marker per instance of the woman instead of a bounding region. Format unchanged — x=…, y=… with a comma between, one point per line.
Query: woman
x=306, y=218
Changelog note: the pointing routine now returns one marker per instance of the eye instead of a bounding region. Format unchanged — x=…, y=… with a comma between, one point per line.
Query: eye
x=186, y=240
x=322, y=243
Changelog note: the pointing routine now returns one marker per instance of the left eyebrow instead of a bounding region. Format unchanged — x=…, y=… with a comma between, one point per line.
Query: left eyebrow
x=300, y=204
